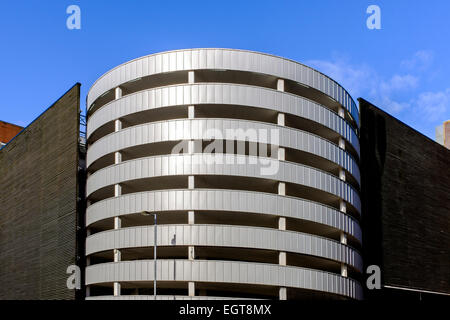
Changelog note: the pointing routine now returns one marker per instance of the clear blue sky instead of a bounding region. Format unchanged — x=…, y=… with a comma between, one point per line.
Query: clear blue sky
x=404, y=67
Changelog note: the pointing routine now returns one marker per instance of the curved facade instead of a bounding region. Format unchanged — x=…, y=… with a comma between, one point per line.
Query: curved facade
x=250, y=163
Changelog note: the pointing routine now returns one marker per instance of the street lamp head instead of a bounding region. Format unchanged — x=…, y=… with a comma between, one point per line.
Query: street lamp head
x=145, y=213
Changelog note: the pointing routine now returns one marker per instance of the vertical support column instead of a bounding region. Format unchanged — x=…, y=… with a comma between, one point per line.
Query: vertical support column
x=117, y=193
x=117, y=125
x=282, y=258
x=281, y=223
x=342, y=206
x=191, y=146
x=341, y=112
x=191, y=289
x=191, y=77
x=283, y=294
x=191, y=115
x=117, y=223
x=155, y=265
x=281, y=188
x=116, y=252
x=281, y=151
x=191, y=253
x=116, y=288
x=281, y=154
x=280, y=119
x=191, y=182
x=280, y=85
x=282, y=226
x=117, y=255
x=191, y=217
x=117, y=93
x=191, y=112
x=117, y=157
x=344, y=270
x=88, y=262
x=191, y=249
x=282, y=255
x=343, y=238
x=342, y=174
x=117, y=190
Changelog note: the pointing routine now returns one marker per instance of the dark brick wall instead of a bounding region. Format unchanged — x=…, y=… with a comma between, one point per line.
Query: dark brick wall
x=406, y=203
x=38, y=204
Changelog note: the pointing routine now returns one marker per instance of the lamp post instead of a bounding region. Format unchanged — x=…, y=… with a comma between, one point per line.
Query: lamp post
x=146, y=213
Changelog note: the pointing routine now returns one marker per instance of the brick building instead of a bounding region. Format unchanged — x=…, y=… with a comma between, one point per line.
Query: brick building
x=8, y=131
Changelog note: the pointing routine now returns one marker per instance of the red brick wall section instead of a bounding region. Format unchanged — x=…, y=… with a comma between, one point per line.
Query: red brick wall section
x=8, y=131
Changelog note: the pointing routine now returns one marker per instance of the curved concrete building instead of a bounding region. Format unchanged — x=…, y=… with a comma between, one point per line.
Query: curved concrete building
x=250, y=163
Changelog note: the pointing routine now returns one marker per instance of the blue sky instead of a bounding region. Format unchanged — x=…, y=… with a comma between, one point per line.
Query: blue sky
x=403, y=68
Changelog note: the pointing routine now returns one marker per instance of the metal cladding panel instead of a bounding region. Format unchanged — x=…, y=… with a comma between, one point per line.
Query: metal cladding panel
x=406, y=210
x=241, y=95
x=175, y=130
x=8, y=131
x=224, y=272
x=212, y=235
x=239, y=61
x=226, y=200
x=230, y=165
x=38, y=211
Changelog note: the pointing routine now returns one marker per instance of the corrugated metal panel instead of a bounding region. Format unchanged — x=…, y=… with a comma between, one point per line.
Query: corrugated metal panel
x=235, y=164
x=175, y=130
x=239, y=60
x=227, y=200
x=242, y=95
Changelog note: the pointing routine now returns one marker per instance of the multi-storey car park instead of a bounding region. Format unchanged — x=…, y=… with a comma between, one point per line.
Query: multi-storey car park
x=250, y=163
